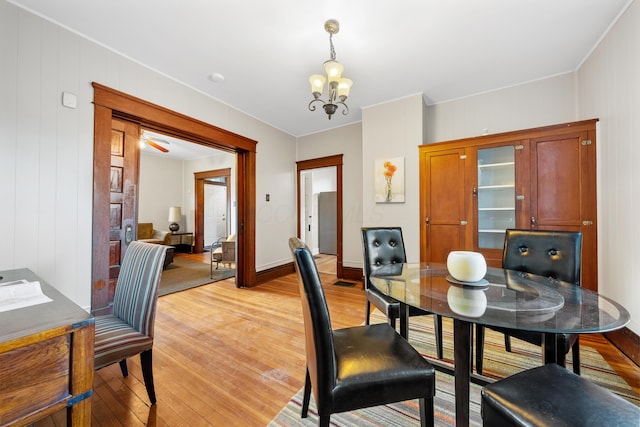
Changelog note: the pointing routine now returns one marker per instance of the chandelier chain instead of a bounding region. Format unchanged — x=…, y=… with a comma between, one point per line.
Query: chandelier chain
x=332, y=51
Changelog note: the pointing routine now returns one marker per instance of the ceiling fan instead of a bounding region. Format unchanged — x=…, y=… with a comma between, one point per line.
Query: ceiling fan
x=156, y=143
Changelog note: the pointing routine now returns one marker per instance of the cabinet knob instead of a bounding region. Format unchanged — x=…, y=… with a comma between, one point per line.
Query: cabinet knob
x=534, y=221
x=427, y=220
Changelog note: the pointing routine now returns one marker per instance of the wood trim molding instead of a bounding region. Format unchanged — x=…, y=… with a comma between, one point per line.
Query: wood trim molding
x=627, y=342
x=169, y=122
x=353, y=273
x=269, y=274
x=111, y=103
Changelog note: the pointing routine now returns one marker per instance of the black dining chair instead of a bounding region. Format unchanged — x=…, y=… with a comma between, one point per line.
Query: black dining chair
x=549, y=395
x=552, y=254
x=384, y=246
x=358, y=367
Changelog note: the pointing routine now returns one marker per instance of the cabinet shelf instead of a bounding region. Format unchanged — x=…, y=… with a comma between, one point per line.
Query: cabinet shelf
x=489, y=230
x=495, y=187
x=497, y=165
x=496, y=209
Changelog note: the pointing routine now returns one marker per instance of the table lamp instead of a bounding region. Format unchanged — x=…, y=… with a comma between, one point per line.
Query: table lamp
x=175, y=215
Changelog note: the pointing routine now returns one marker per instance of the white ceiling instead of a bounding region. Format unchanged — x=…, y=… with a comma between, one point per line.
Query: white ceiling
x=266, y=50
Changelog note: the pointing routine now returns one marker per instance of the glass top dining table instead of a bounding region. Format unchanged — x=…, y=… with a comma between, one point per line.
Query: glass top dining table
x=504, y=298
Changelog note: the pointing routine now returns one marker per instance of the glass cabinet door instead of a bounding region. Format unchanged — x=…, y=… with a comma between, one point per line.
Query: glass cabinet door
x=496, y=195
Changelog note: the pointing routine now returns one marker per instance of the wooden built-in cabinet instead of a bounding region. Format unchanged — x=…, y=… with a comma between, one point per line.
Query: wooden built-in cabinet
x=473, y=189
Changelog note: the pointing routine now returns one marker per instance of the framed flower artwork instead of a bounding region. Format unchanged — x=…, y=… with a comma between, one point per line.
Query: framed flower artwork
x=389, y=180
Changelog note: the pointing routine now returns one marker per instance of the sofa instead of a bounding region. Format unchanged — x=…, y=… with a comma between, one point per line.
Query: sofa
x=148, y=234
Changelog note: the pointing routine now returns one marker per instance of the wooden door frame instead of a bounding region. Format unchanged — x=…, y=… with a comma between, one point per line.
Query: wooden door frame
x=199, y=182
x=110, y=103
x=323, y=162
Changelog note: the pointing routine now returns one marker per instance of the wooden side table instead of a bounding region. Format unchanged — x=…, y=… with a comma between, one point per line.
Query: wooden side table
x=182, y=239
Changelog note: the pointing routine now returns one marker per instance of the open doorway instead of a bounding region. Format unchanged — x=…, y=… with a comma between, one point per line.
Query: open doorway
x=214, y=210
x=320, y=209
x=217, y=218
x=110, y=104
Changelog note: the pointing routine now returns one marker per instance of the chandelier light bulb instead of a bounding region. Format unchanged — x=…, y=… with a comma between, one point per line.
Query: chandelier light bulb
x=343, y=88
x=317, y=84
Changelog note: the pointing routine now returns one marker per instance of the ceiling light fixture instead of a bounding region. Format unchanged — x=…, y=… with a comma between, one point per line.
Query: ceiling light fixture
x=338, y=86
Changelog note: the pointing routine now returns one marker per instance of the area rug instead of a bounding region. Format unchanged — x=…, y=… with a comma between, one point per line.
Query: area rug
x=184, y=274
x=497, y=364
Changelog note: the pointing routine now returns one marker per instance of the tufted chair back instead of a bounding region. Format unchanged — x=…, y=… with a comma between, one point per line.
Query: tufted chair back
x=381, y=246
x=553, y=254
x=319, y=345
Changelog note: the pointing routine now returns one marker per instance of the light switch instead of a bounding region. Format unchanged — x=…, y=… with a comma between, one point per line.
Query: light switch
x=268, y=197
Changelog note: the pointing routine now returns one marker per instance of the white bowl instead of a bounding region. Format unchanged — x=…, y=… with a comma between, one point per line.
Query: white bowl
x=470, y=302
x=466, y=266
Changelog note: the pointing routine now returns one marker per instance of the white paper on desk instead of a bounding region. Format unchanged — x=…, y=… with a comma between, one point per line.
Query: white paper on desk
x=21, y=293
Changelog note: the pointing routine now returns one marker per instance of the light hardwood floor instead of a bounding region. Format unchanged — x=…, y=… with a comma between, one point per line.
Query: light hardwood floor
x=228, y=356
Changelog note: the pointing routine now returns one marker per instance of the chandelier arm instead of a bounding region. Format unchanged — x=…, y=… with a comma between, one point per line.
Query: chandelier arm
x=313, y=107
x=345, y=111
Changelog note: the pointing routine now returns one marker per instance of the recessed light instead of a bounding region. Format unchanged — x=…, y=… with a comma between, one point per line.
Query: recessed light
x=216, y=77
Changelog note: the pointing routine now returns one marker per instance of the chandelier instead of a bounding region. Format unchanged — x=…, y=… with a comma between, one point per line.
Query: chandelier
x=338, y=86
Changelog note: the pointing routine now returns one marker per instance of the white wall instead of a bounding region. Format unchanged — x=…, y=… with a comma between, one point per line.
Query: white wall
x=46, y=160
x=346, y=140
x=539, y=103
x=160, y=186
x=609, y=88
x=394, y=129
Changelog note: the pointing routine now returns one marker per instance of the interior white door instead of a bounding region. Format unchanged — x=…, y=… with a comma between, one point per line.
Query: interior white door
x=215, y=213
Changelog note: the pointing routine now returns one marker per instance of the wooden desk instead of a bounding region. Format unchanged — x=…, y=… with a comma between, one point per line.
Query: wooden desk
x=46, y=358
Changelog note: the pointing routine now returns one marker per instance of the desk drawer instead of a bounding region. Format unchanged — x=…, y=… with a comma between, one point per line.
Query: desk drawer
x=34, y=377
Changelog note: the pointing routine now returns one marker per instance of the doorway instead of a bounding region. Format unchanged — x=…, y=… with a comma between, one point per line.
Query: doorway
x=110, y=104
x=333, y=165
x=213, y=206
x=216, y=212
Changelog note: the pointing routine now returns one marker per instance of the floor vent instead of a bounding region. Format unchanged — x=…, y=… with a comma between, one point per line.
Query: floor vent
x=343, y=283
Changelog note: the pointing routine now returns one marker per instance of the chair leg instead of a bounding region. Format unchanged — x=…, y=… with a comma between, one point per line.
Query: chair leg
x=307, y=396
x=426, y=412
x=147, y=373
x=392, y=322
x=404, y=325
x=367, y=312
x=324, y=420
x=437, y=328
x=575, y=351
x=479, y=347
x=123, y=368
x=507, y=343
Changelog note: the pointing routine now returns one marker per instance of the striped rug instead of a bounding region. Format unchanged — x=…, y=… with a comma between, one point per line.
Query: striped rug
x=497, y=363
